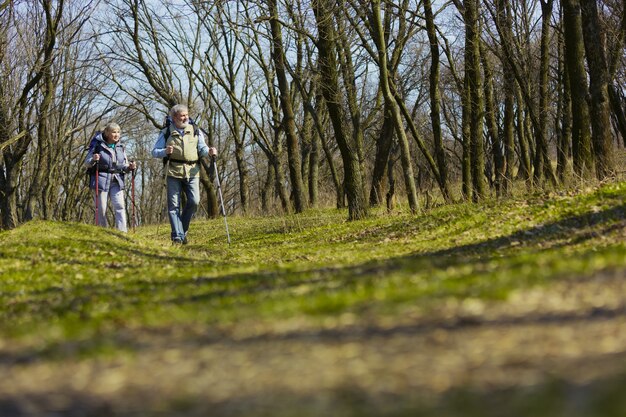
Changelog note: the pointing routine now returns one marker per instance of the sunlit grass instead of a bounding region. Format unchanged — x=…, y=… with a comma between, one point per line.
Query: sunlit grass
x=62, y=279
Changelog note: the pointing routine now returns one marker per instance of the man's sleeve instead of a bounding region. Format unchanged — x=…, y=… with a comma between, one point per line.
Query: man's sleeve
x=158, y=151
x=203, y=149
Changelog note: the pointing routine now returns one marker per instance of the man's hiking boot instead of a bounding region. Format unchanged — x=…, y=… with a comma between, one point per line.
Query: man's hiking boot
x=178, y=242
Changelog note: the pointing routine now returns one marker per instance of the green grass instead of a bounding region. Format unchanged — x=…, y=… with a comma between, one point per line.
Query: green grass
x=64, y=282
x=60, y=278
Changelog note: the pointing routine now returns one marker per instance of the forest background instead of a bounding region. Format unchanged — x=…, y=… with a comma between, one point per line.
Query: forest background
x=312, y=103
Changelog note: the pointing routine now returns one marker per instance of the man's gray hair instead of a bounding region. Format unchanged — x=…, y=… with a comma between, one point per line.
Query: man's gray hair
x=179, y=108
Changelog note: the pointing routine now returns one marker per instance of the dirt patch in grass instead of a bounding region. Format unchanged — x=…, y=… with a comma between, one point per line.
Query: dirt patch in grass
x=554, y=350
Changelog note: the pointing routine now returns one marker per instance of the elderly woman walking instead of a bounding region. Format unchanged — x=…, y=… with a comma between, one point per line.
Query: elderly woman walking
x=107, y=157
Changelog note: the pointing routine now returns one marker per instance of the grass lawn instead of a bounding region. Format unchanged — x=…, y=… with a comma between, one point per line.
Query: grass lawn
x=514, y=307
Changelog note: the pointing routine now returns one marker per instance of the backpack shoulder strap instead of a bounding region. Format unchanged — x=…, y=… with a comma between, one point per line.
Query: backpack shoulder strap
x=166, y=133
x=96, y=147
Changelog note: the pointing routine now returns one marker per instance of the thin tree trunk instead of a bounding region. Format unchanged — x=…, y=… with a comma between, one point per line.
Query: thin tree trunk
x=503, y=17
x=564, y=116
x=306, y=139
x=353, y=180
x=42, y=172
x=435, y=102
x=524, y=172
x=289, y=123
x=392, y=106
x=346, y=67
x=543, y=167
x=497, y=149
x=383, y=148
x=13, y=157
x=618, y=111
x=574, y=58
x=600, y=111
x=408, y=118
x=320, y=122
x=314, y=169
x=466, y=161
x=268, y=188
x=275, y=160
x=476, y=108
x=390, y=197
x=509, y=128
x=617, y=98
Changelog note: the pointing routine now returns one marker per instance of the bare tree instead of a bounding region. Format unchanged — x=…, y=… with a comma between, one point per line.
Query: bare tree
x=594, y=40
x=473, y=105
x=35, y=43
x=289, y=125
x=574, y=58
x=392, y=105
x=327, y=44
x=435, y=100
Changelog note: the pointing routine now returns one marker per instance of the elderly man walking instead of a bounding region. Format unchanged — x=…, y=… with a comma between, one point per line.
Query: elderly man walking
x=182, y=144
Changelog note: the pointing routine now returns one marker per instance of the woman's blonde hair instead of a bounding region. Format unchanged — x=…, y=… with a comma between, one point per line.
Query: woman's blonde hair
x=110, y=127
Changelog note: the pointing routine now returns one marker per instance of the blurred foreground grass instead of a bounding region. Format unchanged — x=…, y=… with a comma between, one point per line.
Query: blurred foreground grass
x=398, y=314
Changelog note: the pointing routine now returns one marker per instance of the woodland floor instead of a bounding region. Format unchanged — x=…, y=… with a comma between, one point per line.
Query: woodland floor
x=555, y=349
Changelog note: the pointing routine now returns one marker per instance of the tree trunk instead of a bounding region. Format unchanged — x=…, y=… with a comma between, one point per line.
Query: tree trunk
x=618, y=111
x=497, y=149
x=525, y=168
x=575, y=64
x=390, y=197
x=564, y=120
x=289, y=123
x=353, y=181
x=275, y=159
x=435, y=102
x=503, y=17
x=207, y=178
x=42, y=172
x=13, y=156
x=268, y=188
x=466, y=161
x=314, y=169
x=476, y=108
x=617, y=97
x=600, y=111
x=543, y=167
x=346, y=66
x=240, y=160
x=383, y=148
x=392, y=106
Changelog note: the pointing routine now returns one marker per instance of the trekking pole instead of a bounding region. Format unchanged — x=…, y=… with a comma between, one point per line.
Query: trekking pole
x=132, y=197
x=219, y=192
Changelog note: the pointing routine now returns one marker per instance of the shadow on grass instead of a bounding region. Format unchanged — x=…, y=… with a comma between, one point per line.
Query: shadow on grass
x=553, y=398
x=568, y=231
x=249, y=288
x=200, y=289
x=597, y=398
